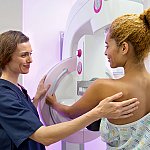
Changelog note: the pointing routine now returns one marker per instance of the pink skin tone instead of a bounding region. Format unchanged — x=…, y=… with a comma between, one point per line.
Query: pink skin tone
x=20, y=62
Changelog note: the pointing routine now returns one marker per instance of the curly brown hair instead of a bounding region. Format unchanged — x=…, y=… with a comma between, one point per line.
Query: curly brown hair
x=135, y=29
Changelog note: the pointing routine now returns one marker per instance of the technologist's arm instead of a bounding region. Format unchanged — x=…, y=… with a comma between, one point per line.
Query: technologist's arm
x=106, y=108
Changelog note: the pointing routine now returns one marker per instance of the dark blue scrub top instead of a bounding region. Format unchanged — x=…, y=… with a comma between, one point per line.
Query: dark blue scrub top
x=18, y=119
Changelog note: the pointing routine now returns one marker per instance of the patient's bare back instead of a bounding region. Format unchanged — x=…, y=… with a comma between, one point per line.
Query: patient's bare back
x=131, y=87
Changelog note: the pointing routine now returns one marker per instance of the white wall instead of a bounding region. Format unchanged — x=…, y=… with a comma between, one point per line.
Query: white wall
x=146, y=4
x=42, y=22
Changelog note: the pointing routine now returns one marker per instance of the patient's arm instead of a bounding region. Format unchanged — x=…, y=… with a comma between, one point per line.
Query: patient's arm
x=115, y=110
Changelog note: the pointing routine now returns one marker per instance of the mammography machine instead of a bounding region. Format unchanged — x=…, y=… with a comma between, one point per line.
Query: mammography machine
x=83, y=57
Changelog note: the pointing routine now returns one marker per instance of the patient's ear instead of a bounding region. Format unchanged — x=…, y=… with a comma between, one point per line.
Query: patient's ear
x=125, y=48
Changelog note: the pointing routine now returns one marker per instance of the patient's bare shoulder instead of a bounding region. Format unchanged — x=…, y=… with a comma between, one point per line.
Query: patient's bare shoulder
x=108, y=87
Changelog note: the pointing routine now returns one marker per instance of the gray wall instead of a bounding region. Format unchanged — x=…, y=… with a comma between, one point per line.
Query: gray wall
x=10, y=15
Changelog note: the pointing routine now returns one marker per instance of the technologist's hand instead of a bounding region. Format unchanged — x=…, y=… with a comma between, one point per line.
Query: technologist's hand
x=41, y=91
x=116, y=110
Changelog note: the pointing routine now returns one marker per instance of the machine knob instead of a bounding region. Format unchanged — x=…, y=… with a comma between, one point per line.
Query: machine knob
x=79, y=52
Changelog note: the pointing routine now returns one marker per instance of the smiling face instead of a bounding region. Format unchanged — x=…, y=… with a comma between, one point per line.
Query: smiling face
x=20, y=60
x=113, y=52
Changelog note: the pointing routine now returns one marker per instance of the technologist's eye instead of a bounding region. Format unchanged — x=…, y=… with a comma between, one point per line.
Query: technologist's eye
x=26, y=54
x=23, y=55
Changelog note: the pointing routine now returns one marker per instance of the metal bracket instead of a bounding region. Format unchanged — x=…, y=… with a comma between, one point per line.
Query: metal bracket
x=82, y=86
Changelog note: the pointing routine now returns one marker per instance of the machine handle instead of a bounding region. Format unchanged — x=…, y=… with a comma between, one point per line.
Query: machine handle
x=55, y=83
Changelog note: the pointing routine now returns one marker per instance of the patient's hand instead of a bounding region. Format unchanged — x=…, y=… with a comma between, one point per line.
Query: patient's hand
x=51, y=100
